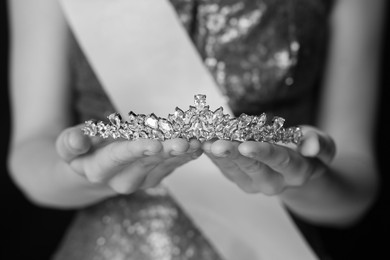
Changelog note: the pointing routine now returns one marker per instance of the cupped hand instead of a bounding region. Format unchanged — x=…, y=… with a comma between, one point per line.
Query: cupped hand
x=125, y=166
x=261, y=167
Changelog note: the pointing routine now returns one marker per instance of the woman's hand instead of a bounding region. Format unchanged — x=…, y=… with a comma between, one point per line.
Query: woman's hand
x=259, y=167
x=125, y=166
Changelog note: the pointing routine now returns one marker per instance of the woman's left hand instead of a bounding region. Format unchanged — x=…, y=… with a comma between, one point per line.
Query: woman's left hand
x=260, y=167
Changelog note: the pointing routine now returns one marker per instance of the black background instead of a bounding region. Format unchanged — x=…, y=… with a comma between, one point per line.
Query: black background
x=30, y=232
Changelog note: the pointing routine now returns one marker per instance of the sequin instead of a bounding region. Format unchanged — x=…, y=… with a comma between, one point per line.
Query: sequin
x=145, y=225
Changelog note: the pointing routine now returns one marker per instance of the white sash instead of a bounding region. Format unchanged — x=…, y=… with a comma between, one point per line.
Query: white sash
x=147, y=63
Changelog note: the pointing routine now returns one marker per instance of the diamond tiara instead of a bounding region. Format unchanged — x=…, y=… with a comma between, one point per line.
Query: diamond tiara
x=197, y=122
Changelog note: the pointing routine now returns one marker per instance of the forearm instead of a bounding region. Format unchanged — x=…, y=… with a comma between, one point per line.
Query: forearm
x=347, y=113
x=49, y=181
x=339, y=197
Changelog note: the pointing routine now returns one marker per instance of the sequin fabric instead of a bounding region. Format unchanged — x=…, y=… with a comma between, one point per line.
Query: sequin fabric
x=260, y=52
x=265, y=56
x=147, y=225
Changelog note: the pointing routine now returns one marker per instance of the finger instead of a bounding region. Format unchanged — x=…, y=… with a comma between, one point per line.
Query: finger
x=158, y=173
x=226, y=156
x=132, y=177
x=127, y=182
x=218, y=152
x=294, y=168
x=317, y=144
x=103, y=163
x=179, y=154
x=179, y=146
x=72, y=143
x=175, y=147
x=263, y=178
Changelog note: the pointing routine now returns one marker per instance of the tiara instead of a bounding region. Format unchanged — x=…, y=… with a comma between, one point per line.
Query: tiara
x=197, y=122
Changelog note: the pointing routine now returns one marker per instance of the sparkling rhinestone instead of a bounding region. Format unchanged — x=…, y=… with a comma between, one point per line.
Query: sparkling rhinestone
x=179, y=113
x=114, y=132
x=151, y=121
x=200, y=101
x=175, y=135
x=177, y=117
x=297, y=135
x=260, y=120
x=231, y=126
x=90, y=128
x=288, y=135
x=157, y=134
x=219, y=135
x=164, y=125
x=279, y=135
x=219, y=128
x=226, y=118
x=103, y=130
x=189, y=114
x=126, y=133
x=277, y=123
x=132, y=116
x=257, y=136
x=141, y=134
x=267, y=134
x=244, y=121
x=115, y=119
x=208, y=116
x=218, y=116
x=177, y=127
x=140, y=119
x=209, y=136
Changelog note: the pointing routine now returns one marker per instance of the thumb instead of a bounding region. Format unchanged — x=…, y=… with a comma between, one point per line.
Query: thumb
x=315, y=143
x=72, y=143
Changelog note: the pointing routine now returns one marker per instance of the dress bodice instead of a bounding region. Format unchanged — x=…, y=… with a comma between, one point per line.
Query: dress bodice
x=265, y=56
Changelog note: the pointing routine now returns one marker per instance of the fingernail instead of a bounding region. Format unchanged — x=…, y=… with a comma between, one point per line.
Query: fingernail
x=148, y=153
x=251, y=155
x=310, y=147
x=176, y=153
x=224, y=154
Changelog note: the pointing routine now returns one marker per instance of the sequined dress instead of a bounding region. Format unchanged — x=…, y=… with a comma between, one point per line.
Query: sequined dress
x=265, y=55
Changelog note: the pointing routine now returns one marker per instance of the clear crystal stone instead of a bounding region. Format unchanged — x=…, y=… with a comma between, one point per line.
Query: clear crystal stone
x=244, y=121
x=277, y=123
x=157, y=134
x=115, y=119
x=231, y=126
x=125, y=133
x=151, y=121
x=164, y=125
x=297, y=135
x=90, y=128
x=114, y=132
x=140, y=134
x=261, y=120
x=217, y=115
x=103, y=129
x=219, y=128
x=200, y=101
x=132, y=116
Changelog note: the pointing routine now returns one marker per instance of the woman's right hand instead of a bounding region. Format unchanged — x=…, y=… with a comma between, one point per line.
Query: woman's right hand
x=125, y=166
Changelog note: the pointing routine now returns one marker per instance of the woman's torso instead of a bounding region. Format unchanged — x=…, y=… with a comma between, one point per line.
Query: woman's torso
x=265, y=55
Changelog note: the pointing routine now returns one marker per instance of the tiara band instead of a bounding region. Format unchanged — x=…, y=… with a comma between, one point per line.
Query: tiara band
x=197, y=122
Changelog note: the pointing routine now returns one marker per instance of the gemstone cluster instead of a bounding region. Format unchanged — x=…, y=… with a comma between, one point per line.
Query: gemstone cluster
x=197, y=122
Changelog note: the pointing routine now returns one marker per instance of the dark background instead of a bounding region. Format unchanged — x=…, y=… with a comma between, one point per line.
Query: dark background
x=27, y=232
x=30, y=232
